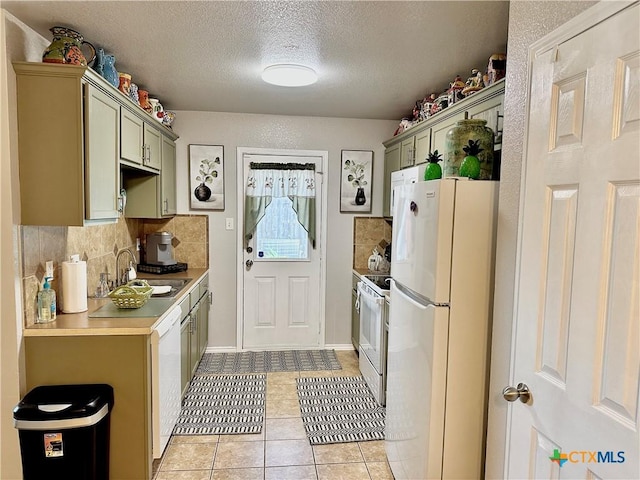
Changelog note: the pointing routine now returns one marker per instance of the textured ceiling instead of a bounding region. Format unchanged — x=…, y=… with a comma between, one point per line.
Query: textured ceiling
x=374, y=59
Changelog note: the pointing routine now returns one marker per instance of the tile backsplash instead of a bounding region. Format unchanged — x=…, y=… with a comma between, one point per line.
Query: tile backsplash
x=98, y=245
x=368, y=232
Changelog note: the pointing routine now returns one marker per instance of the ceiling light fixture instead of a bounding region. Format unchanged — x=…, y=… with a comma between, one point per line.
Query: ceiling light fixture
x=289, y=75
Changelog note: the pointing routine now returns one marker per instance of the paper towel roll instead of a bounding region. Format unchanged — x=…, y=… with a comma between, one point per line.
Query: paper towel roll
x=74, y=287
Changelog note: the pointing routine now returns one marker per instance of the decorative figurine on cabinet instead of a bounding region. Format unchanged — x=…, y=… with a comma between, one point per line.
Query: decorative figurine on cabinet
x=405, y=124
x=474, y=83
x=427, y=104
x=455, y=90
x=497, y=68
x=440, y=104
x=417, y=109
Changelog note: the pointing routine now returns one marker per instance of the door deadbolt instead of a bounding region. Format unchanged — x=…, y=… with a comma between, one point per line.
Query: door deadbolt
x=248, y=263
x=511, y=394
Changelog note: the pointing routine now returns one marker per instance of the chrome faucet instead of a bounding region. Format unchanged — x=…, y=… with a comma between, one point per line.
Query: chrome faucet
x=122, y=276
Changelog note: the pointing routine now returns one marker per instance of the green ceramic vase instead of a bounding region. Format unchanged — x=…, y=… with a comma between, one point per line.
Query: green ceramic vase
x=458, y=137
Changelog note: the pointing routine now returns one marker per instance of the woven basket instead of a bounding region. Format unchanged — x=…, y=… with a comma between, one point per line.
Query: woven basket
x=132, y=295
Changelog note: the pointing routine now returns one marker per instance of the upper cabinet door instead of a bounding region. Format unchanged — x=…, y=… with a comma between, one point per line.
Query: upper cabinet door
x=153, y=145
x=168, y=177
x=102, y=126
x=407, y=152
x=391, y=164
x=131, y=137
x=423, y=144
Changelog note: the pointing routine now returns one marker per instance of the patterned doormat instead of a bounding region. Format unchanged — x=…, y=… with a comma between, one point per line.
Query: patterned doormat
x=279, y=361
x=339, y=410
x=227, y=404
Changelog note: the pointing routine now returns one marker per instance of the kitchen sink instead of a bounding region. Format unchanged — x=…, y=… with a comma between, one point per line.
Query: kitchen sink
x=176, y=284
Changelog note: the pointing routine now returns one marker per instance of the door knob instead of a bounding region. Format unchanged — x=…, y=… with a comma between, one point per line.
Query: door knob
x=248, y=263
x=511, y=394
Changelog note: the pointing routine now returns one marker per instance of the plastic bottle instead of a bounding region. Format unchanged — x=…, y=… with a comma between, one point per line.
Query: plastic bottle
x=46, y=303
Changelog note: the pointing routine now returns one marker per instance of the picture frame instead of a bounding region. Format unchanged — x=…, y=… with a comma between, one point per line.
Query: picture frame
x=206, y=177
x=356, y=174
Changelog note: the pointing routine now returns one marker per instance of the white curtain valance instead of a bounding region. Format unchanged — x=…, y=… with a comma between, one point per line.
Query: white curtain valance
x=267, y=181
x=281, y=183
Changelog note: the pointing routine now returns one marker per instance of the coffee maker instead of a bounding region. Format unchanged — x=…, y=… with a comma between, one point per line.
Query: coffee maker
x=159, y=249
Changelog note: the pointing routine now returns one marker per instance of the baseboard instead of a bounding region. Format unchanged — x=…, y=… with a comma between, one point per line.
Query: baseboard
x=337, y=346
x=221, y=350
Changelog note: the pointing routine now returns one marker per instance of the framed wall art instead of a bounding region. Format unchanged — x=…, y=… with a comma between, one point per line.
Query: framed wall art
x=355, y=184
x=206, y=177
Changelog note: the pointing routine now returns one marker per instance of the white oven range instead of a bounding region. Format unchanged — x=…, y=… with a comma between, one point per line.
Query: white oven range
x=373, y=333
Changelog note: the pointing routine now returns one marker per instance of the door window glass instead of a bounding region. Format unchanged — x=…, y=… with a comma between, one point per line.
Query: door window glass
x=279, y=235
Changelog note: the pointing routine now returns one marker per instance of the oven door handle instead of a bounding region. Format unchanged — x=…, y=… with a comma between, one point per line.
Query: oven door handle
x=369, y=294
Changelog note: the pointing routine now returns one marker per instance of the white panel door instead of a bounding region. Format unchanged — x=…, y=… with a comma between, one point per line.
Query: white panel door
x=281, y=296
x=577, y=313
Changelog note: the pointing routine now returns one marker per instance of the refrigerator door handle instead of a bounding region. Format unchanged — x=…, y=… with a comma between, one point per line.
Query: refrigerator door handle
x=400, y=290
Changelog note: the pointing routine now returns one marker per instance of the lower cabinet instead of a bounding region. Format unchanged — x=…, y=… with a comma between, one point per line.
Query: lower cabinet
x=185, y=340
x=355, y=313
x=194, y=331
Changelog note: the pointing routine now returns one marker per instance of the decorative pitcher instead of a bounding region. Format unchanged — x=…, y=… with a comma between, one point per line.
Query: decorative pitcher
x=109, y=71
x=98, y=64
x=66, y=47
x=143, y=100
x=158, y=109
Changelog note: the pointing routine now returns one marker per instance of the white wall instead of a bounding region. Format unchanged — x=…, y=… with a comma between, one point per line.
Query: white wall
x=273, y=131
x=17, y=42
x=528, y=22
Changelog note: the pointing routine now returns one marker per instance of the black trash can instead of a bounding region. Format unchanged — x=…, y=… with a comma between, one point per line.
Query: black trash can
x=64, y=431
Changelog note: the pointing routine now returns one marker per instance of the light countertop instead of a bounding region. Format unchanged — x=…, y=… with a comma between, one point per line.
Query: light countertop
x=80, y=324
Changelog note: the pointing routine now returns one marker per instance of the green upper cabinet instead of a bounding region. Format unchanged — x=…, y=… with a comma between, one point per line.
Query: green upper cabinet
x=101, y=169
x=131, y=137
x=407, y=152
x=168, y=177
x=423, y=143
x=152, y=194
x=416, y=143
x=68, y=137
x=391, y=164
x=153, y=145
x=140, y=139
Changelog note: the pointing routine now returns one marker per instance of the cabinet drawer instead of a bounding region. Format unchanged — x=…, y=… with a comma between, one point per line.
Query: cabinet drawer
x=185, y=306
x=194, y=296
x=204, y=285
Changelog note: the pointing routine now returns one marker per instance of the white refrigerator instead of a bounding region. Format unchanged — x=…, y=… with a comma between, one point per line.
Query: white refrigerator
x=439, y=322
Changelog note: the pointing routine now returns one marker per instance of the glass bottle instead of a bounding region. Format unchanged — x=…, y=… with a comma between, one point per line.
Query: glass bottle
x=102, y=290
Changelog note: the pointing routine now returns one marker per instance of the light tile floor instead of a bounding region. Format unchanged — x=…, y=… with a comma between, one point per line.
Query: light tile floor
x=281, y=451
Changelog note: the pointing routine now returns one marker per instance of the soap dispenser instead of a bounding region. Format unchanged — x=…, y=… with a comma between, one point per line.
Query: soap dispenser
x=46, y=303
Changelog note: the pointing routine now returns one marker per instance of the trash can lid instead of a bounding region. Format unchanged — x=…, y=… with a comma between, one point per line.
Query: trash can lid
x=60, y=402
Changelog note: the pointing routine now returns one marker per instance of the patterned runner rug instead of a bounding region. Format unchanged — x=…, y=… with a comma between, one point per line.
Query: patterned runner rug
x=229, y=404
x=339, y=410
x=279, y=361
